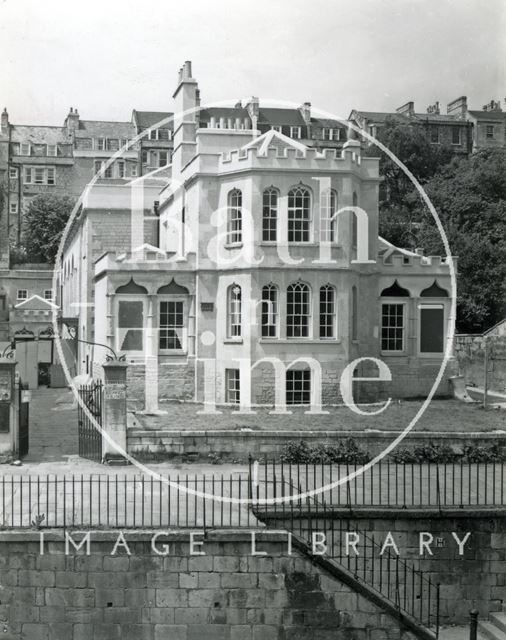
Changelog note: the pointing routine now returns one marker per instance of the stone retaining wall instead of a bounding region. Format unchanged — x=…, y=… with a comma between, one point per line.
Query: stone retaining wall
x=227, y=594
x=238, y=445
x=470, y=356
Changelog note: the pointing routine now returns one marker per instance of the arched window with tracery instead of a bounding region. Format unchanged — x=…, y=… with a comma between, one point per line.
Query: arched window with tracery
x=328, y=207
x=234, y=311
x=270, y=311
x=327, y=311
x=234, y=217
x=298, y=310
x=299, y=214
x=270, y=215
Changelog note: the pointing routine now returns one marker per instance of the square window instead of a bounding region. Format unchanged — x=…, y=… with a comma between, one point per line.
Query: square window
x=13, y=207
x=13, y=173
x=298, y=386
x=232, y=386
x=22, y=294
x=112, y=144
x=48, y=294
x=163, y=134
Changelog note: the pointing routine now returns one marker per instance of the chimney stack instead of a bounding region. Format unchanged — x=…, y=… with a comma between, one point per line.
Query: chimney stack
x=407, y=109
x=434, y=108
x=458, y=107
x=72, y=120
x=305, y=110
x=5, y=122
x=493, y=105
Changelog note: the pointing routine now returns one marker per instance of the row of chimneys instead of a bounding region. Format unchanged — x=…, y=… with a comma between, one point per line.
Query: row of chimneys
x=456, y=108
x=71, y=121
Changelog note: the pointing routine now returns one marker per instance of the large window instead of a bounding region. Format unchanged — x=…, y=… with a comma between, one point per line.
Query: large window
x=298, y=311
x=299, y=216
x=270, y=311
x=327, y=311
x=234, y=217
x=39, y=175
x=328, y=207
x=171, y=333
x=234, y=311
x=232, y=386
x=270, y=215
x=298, y=386
x=489, y=131
x=432, y=331
x=392, y=326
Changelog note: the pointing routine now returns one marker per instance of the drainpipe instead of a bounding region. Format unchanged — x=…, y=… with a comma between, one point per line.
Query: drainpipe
x=156, y=211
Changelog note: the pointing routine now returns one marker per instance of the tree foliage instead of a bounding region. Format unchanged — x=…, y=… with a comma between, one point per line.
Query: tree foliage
x=44, y=221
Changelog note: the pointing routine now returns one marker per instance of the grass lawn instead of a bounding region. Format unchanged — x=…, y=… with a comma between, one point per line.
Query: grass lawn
x=441, y=415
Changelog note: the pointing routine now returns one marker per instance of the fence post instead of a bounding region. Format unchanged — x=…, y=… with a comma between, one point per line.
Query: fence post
x=485, y=372
x=473, y=627
x=115, y=408
x=9, y=408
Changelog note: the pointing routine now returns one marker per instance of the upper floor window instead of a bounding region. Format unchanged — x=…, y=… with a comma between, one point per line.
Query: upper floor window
x=269, y=311
x=25, y=149
x=48, y=294
x=153, y=134
x=270, y=215
x=164, y=134
x=456, y=135
x=489, y=131
x=13, y=207
x=234, y=217
x=121, y=169
x=299, y=218
x=163, y=158
x=100, y=144
x=434, y=135
x=277, y=127
x=144, y=157
x=234, y=311
x=328, y=207
x=40, y=175
x=296, y=132
x=13, y=173
x=52, y=150
x=112, y=144
x=331, y=133
x=327, y=311
x=22, y=294
x=298, y=310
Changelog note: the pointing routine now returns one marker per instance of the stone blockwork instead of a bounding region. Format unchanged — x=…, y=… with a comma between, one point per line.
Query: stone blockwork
x=227, y=594
x=476, y=580
x=176, y=381
x=470, y=355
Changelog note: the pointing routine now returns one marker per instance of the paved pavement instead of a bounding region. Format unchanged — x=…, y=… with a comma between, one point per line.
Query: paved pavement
x=53, y=425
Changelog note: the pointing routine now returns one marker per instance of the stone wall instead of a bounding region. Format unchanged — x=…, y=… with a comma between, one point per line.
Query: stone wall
x=234, y=445
x=227, y=594
x=176, y=381
x=476, y=580
x=470, y=356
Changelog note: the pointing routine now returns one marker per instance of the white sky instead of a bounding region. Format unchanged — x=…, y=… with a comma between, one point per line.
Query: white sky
x=109, y=56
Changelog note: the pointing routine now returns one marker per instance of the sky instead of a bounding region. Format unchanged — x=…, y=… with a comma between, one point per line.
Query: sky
x=106, y=57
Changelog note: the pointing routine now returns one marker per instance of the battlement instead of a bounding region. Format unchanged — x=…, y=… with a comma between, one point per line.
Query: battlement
x=440, y=264
x=278, y=157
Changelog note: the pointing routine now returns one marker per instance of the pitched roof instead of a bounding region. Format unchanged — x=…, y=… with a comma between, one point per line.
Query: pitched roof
x=36, y=302
x=380, y=116
x=35, y=134
x=105, y=129
x=147, y=119
x=281, y=116
x=274, y=138
x=488, y=115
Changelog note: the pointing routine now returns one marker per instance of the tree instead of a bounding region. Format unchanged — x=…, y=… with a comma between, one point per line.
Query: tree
x=44, y=221
x=470, y=198
x=399, y=209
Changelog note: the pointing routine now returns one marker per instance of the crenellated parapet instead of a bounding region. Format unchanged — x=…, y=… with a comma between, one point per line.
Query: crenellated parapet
x=416, y=263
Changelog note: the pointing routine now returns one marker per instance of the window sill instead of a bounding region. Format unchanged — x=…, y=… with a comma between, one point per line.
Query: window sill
x=300, y=341
x=233, y=341
x=173, y=352
x=233, y=245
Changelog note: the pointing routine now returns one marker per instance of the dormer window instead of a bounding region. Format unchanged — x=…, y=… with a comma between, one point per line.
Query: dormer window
x=296, y=133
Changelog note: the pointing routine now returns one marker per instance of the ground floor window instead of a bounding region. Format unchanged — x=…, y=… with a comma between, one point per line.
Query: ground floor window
x=232, y=386
x=298, y=386
x=432, y=330
x=171, y=325
x=392, y=327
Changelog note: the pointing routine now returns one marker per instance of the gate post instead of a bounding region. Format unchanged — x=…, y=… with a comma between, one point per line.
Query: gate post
x=114, y=421
x=8, y=414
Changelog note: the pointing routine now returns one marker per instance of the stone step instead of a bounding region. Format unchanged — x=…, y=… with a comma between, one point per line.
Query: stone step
x=499, y=619
x=490, y=632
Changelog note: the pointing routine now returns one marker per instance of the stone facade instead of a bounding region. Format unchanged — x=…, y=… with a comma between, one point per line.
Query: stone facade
x=226, y=594
x=470, y=357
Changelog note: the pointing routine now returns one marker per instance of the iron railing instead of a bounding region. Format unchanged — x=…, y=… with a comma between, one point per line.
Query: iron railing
x=121, y=501
x=386, y=484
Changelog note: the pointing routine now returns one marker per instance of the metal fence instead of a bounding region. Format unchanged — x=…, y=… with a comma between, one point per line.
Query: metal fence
x=90, y=439
x=124, y=501
x=386, y=484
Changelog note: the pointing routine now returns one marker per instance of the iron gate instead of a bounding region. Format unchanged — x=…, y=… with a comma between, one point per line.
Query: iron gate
x=24, y=413
x=90, y=439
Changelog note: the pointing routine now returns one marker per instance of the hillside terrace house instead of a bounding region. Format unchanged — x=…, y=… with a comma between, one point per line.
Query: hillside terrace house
x=200, y=287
